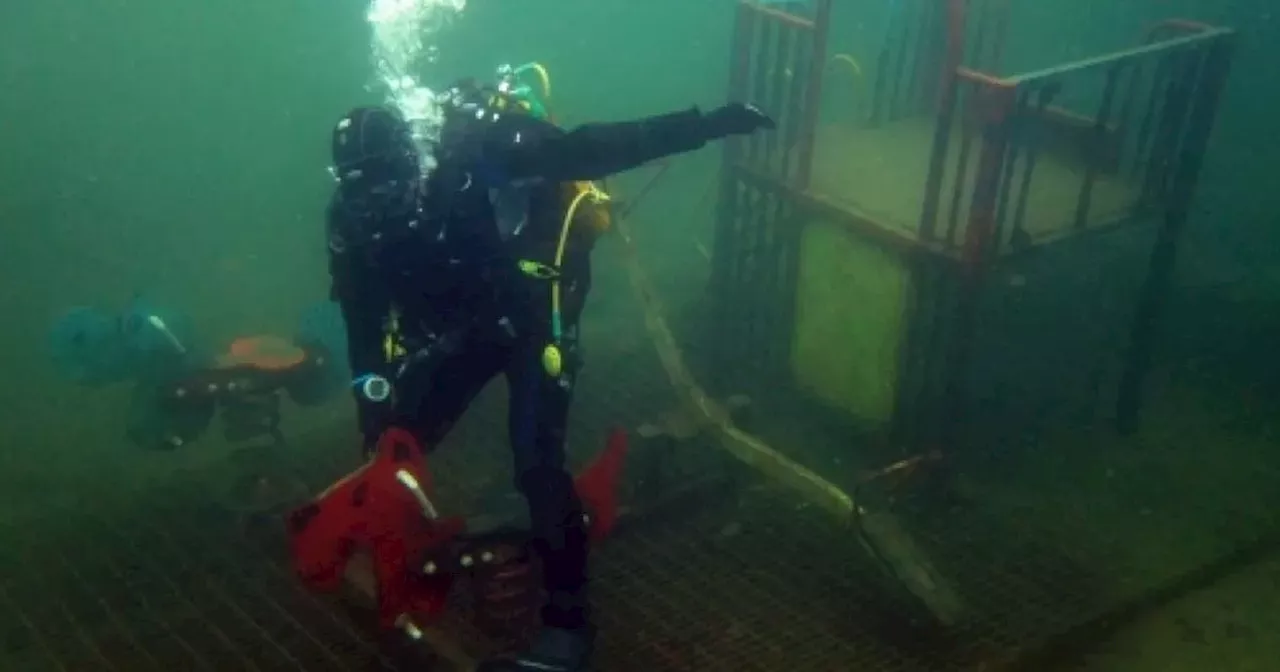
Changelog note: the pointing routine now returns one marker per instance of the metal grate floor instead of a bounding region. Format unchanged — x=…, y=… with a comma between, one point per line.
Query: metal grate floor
x=750, y=581
x=172, y=584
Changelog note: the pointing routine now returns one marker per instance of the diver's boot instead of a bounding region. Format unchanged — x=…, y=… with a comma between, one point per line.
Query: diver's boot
x=552, y=650
x=560, y=539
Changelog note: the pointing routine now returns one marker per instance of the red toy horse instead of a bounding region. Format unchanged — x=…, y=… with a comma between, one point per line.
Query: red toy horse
x=385, y=509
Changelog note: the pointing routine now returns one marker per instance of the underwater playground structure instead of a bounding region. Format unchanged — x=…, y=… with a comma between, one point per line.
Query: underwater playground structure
x=948, y=253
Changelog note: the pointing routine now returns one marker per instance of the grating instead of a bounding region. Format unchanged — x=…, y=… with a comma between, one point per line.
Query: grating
x=749, y=580
x=1047, y=538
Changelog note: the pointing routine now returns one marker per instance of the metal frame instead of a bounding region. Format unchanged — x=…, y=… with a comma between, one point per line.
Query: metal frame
x=765, y=195
x=1176, y=118
x=173, y=581
x=777, y=61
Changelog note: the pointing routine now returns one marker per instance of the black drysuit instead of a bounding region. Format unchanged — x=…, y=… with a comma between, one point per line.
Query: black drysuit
x=465, y=312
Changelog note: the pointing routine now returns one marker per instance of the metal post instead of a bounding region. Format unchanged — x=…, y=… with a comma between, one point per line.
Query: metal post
x=998, y=101
x=813, y=93
x=1213, y=76
x=739, y=63
x=724, y=249
x=948, y=95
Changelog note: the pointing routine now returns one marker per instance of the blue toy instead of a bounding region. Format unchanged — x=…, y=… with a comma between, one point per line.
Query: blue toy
x=92, y=347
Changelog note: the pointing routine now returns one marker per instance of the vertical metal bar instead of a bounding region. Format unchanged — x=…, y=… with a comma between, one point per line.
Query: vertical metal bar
x=995, y=58
x=757, y=304
x=1191, y=73
x=739, y=63
x=978, y=40
x=762, y=66
x=751, y=220
x=1019, y=149
x=998, y=102
x=1093, y=154
x=917, y=360
x=775, y=51
x=946, y=120
x=1213, y=76
x=937, y=59
x=753, y=297
x=726, y=344
x=1176, y=100
x=788, y=231
x=813, y=93
x=1146, y=128
x=792, y=119
x=920, y=59
x=879, y=92
x=960, y=185
x=905, y=50
x=724, y=259
x=1018, y=237
x=788, y=241
x=766, y=295
x=1124, y=119
x=776, y=261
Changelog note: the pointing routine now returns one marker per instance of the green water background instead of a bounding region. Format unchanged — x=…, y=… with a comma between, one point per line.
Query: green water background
x=181, y=149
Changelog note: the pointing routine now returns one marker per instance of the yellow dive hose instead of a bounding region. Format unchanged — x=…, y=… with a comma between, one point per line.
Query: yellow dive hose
x=544, y=77
x=552, y=358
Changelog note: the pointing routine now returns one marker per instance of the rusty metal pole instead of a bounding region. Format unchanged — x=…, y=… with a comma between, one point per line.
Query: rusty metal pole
x=947, y=98
x=998, y=100
x=813, y=93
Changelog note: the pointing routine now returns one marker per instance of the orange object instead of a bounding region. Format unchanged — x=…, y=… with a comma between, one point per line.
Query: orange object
x=266, y=353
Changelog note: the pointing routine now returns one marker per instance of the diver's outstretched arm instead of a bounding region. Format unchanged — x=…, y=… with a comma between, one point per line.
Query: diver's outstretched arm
x=520, y=148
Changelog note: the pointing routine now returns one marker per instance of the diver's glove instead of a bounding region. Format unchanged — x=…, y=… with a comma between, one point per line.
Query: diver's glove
x=736, y=119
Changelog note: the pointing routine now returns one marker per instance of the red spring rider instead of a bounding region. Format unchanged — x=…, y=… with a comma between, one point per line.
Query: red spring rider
x=385, y=509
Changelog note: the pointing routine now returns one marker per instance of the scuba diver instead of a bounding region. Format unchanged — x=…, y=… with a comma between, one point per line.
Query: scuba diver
x=448, y=277
x=179, y=387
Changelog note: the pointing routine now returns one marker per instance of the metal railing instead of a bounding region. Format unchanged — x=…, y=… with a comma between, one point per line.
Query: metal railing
x=1124, y=123
x=925, y=39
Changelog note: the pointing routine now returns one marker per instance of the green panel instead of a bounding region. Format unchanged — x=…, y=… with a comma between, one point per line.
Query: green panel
x=851, y=319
